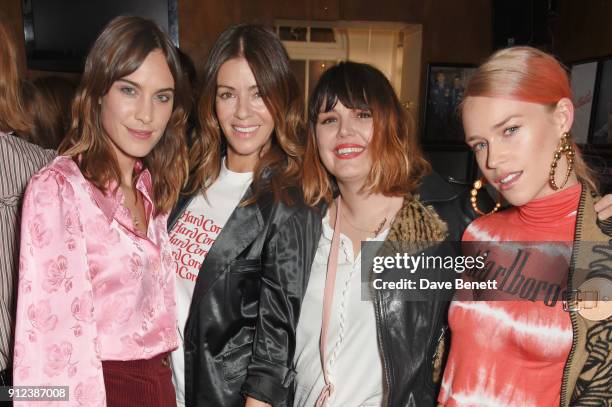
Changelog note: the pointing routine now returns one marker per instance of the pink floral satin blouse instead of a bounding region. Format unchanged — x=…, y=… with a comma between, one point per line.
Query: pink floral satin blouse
x=91, y=287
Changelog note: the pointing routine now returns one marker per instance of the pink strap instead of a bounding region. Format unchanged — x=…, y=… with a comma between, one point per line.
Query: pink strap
x=328, y=299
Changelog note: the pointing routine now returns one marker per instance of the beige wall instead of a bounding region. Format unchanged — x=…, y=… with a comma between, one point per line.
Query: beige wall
x=413, y=48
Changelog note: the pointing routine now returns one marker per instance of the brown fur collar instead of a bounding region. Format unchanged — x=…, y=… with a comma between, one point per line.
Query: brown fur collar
x=416, y=222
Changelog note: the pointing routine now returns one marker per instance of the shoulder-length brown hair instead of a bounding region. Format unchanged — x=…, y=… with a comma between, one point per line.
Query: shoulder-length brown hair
x=269, y=62
x=12, y=112
x=398, y=164
x=120, y=50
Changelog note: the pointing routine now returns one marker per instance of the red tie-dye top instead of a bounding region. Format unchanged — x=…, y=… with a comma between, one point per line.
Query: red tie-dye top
x=512, y=353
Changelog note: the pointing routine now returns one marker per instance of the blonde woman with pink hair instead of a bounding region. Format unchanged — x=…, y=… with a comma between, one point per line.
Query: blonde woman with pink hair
x=517, y=114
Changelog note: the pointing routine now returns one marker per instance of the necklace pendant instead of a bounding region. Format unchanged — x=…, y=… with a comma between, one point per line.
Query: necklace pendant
x=379, y=228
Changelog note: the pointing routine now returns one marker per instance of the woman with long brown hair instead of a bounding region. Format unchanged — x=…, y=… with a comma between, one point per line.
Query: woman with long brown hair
x=96, y=306
x=242, y=236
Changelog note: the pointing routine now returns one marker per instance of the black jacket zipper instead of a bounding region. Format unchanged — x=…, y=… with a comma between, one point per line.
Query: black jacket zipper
x=570, y=287
x=379, y=334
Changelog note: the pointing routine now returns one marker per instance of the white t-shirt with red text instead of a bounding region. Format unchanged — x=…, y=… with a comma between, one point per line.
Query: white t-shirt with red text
x=191, y=238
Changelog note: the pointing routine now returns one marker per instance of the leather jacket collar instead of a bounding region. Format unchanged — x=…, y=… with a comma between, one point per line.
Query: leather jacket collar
x=410, y=332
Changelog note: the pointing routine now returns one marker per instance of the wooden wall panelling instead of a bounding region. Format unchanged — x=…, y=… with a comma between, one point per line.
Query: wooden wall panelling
x=327, y=10
x=200, y=23
x=409, y=11
x=456, y=31
x=291, y=9
x=583, y=29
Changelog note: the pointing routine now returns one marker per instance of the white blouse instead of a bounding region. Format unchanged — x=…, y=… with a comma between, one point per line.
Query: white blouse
x=354, y=365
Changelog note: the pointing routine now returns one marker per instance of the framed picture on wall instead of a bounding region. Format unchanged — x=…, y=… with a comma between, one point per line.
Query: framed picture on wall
x=583, y=78
x=602, y=122
x=444, y=92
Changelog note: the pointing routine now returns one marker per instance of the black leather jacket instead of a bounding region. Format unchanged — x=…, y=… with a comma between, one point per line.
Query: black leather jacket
x=240, y=332
x=409, y=331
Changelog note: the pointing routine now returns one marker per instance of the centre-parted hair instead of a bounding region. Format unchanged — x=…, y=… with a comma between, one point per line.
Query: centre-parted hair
x=281, y=94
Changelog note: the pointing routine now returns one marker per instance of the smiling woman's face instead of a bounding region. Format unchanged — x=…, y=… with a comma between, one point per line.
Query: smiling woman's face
x=514, y=143
x=243, y=116
x=343, y=139
x=136, y=109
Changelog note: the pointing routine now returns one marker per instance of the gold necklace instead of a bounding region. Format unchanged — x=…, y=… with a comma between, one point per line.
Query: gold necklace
x=135, y=216
x=135, y=220
x=375, y=232
x=133, y=213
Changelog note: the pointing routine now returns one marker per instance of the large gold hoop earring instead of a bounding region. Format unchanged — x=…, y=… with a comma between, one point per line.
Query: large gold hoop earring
x=473, y=199
x=566, y=148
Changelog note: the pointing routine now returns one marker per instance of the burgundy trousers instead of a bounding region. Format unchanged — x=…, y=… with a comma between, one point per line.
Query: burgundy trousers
x=139, y=383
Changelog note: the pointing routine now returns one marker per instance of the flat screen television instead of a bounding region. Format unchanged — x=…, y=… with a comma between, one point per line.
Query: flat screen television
x=59, y=33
